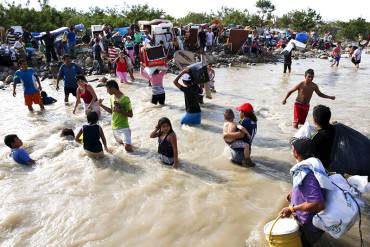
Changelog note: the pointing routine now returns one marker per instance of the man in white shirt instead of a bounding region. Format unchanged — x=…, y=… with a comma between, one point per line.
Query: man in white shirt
x=209, y=39
x=356, y=57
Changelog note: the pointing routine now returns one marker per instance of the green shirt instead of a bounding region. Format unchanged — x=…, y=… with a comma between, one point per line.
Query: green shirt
x=137, y=38
x=120, y=121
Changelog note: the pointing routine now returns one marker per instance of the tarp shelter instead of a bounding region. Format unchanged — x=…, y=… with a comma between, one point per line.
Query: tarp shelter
x=17, y=29
x=61, y=30
x=302, y=37
x=122, y=30
x=237, y=37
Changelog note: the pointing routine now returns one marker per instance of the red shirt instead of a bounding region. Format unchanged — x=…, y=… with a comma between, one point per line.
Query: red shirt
x=121, y=66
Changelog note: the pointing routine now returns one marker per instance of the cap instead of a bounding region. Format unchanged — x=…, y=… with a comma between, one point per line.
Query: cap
x=246, y=107
x=304, y=146
x=186, y=77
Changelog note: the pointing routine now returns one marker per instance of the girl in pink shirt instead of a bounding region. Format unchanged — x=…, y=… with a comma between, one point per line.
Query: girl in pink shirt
x=156, y=81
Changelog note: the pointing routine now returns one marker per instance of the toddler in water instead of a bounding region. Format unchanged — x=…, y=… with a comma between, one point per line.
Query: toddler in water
x=167, y=142
x=46, y=100
x=68, y=134
x=18, y=154
x=231, y=127
x=92, y=133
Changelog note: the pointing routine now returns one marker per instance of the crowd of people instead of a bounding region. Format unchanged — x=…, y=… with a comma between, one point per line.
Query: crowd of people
x=307, y=197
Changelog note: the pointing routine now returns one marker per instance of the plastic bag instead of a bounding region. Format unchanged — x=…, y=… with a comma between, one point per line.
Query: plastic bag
x=199, y=73
x=306, y=130
x=360, y=183
x=341, y=209
x=350, y=152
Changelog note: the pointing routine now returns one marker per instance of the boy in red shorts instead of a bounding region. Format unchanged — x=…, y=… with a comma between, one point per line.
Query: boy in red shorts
x=27, y=77
x=302, y=104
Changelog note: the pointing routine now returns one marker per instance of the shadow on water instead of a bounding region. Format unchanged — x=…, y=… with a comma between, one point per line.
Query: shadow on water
x=202, y=173
x=267, y=142
x=211, y=128
x=116, y=164
x=275, y=169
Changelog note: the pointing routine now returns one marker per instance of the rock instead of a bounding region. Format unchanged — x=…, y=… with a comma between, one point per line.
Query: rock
x=323, y=57
x=8, y=80
x=214, y=53
x=222, y=53
x=3, y=76
x=2, y=85
x=89, y=61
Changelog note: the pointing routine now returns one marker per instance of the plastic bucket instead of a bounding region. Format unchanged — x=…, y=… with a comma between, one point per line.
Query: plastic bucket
x=283, y=233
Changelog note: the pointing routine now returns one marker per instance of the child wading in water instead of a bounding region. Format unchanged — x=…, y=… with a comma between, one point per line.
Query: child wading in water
x=167, y=142
x=337, y=52
x=231, y=127
x=18, y=154
x=302, y=104
x=248, y=122
x=121, y=70
x=92, y=133
x=158, y=93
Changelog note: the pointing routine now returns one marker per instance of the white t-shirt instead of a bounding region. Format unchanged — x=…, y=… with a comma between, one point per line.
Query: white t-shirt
x=357, y=54
x=209, y=38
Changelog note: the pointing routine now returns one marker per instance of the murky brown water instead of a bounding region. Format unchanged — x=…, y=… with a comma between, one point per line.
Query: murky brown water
x=131, y=200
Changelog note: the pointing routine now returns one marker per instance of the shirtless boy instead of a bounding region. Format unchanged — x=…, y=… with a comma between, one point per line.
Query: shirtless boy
x=302, y=104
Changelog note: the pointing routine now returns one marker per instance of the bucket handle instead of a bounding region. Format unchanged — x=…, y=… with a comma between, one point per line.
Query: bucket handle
x=273, y=224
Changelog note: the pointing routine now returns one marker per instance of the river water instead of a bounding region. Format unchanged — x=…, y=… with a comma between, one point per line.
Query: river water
x=67, y=199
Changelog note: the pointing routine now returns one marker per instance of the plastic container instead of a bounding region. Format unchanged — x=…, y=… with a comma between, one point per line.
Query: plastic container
x=283, y=233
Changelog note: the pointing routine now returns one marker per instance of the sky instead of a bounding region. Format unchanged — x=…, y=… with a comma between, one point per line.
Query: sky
x=329, y=9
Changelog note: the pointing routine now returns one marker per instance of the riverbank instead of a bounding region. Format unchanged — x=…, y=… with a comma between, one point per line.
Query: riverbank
x=71, y=200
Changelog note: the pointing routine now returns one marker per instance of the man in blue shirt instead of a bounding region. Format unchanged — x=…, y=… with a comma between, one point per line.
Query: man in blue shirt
x=28, y=78
x=71, y=38
x=68, y=72
x=19, y=155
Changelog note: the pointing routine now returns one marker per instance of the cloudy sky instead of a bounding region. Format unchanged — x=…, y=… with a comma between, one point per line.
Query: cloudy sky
x=329, y=9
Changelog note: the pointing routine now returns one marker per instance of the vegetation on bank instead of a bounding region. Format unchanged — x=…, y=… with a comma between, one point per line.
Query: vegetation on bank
x=49, y=18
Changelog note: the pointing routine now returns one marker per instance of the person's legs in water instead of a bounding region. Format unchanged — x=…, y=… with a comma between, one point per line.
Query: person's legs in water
x=285, y=68
x=247, y=156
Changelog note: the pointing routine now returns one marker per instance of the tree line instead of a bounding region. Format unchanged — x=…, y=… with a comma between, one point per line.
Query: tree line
x=49, y=18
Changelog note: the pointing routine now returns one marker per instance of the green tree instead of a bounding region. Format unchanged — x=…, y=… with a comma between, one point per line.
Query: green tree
x=231, y=15
x=265, y=10
x=139, y=12
x=355, y=27
x=195, y=18
x=304, y=20
x=284, y=21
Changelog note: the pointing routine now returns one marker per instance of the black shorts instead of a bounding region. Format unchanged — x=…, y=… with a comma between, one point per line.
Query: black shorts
x=355, y=62
x=68, y=90
x=159, y=98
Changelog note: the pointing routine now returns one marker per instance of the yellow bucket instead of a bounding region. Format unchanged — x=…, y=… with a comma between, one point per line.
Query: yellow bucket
x=283, y=233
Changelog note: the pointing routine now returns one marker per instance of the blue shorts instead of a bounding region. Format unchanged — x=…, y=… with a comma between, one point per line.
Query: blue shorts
x=337, y=58
x=191, y=118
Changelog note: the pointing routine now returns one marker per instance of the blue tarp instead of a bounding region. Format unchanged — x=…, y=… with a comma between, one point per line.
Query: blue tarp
x=302, y=37
x=59, y=31
x=122, y=30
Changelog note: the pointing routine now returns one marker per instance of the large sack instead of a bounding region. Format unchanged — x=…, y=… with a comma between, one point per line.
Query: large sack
x=306, y=130
x=199, y=73
x=350, y=152
x=341, y=208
